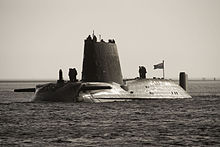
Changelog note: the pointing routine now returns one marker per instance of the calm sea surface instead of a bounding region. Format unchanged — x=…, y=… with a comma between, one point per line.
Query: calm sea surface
x=158, y=122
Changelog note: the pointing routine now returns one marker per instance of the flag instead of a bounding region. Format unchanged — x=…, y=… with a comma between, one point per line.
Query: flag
x=159, y=66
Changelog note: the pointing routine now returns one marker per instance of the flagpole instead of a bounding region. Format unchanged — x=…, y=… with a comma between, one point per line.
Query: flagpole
x=163, y=70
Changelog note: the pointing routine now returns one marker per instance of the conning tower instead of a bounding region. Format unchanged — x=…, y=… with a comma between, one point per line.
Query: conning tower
x=101, y=61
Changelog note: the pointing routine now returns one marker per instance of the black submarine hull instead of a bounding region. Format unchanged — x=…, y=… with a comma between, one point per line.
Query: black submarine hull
x=136, y=89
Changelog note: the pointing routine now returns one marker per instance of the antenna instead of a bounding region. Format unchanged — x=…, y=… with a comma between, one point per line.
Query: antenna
x=93, y=34
x=163, y=70
x=100, y=37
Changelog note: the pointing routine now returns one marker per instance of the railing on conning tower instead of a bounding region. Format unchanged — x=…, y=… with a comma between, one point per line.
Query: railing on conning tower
x=101, y=61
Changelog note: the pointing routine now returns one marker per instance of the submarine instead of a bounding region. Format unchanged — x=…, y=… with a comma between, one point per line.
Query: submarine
x=102, y=80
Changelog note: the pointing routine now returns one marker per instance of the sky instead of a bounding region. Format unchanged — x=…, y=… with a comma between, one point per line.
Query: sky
x=39, y=37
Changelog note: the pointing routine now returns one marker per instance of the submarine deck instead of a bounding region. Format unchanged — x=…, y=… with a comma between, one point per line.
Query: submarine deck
x=156, y=88
x=136, y=89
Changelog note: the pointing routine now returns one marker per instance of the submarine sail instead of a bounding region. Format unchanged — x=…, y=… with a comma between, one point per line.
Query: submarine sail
x=101, y=62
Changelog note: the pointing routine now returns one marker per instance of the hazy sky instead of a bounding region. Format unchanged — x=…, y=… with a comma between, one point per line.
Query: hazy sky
x=38, y=37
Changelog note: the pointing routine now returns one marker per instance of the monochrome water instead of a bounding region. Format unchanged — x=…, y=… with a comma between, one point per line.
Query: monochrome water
x=152, y=122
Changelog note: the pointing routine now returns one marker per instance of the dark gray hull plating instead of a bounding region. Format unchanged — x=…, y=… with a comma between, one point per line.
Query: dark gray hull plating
x=137, y=89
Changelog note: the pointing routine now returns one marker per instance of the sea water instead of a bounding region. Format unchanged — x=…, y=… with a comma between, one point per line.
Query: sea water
x=157, y=122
